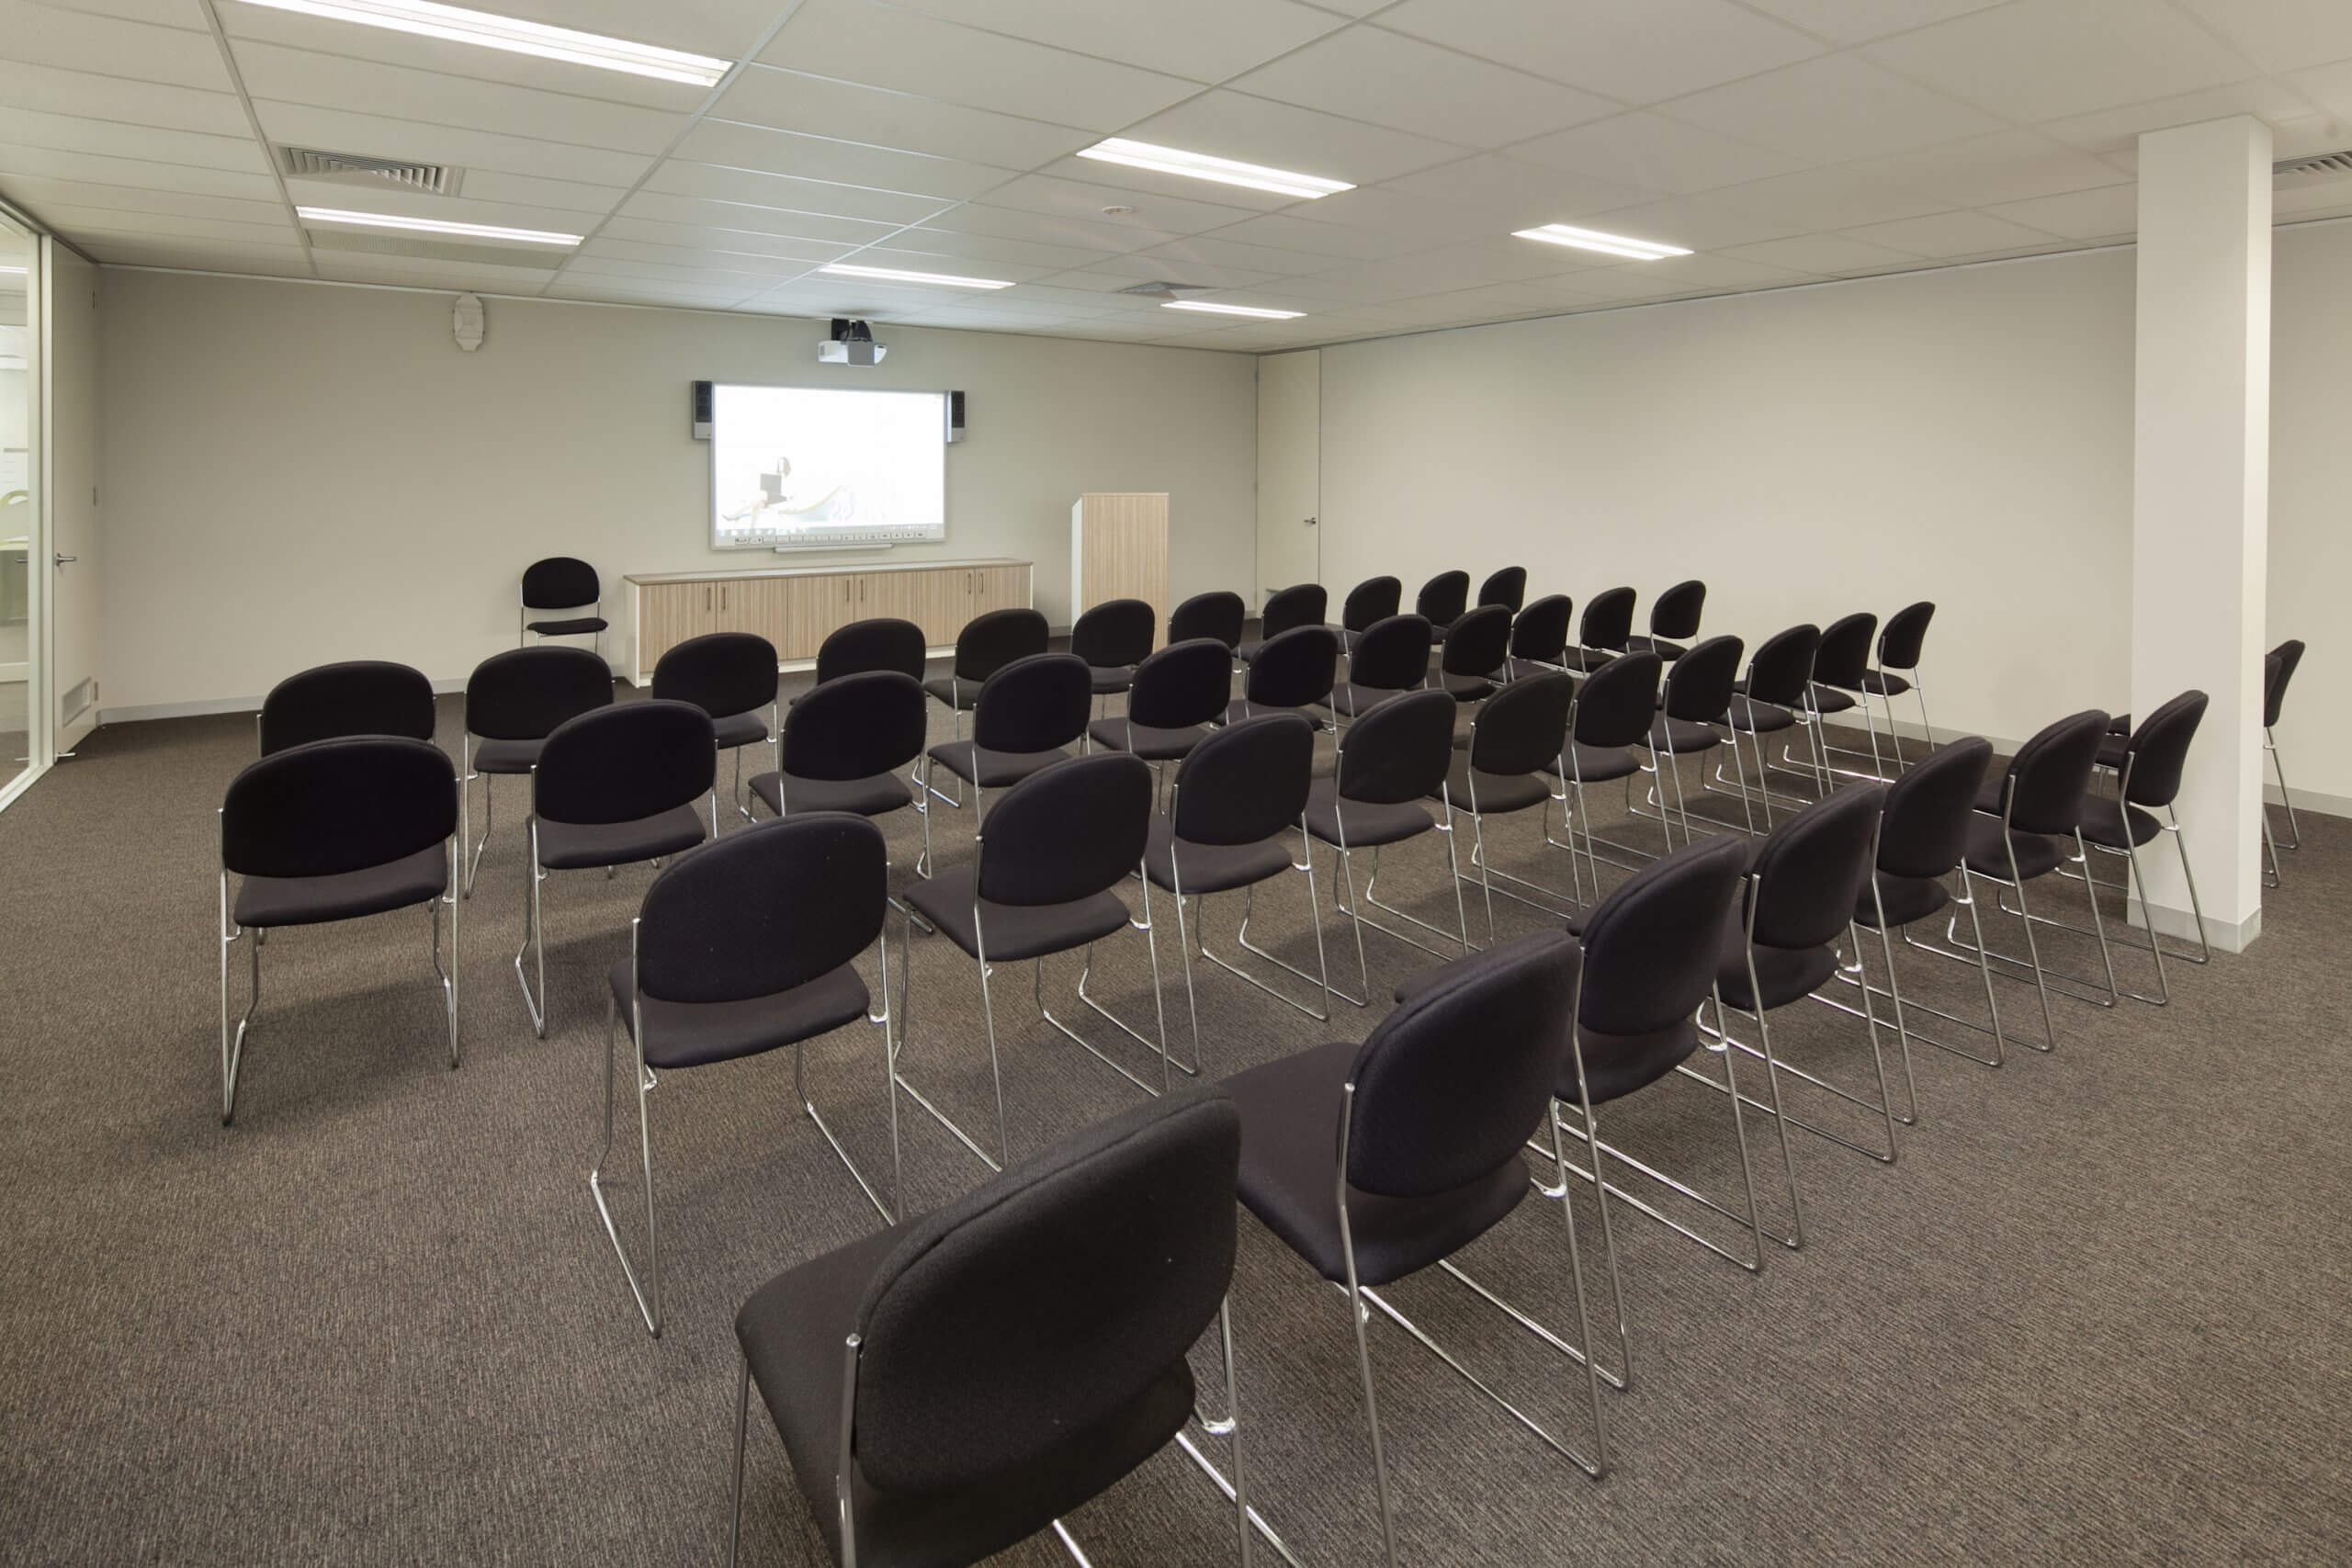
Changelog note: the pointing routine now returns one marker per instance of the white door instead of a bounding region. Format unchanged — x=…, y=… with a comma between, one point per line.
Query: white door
x=69, y=359
x=1290, y=469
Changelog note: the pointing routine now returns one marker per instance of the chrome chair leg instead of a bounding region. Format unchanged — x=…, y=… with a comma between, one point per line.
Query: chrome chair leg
x=534, y=943
x=742, y=1422
x=649, y=1305
x=2286, y=801
x=1241, y=938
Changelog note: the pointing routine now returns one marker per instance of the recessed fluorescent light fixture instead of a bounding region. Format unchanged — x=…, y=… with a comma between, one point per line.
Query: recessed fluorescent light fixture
x=436, y=226
x=462, y=25
x=1212, y=307
x=1201, y=166
x=900, y=275
x=21, y=269
x=1593, y=240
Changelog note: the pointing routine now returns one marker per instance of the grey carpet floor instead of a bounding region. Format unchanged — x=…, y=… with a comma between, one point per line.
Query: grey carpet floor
x=2094, y=1316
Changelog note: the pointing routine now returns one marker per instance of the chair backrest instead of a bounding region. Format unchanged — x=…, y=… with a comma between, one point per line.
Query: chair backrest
x=764, y=909
x=361, y=696
x=2159, y=749
x=1245, y=783
x=1652, y=948
x=1216, y=615
x=988, y=642
x=1373, y=599
x=1443, y=598
x=1391, y=655
x=1068, y=831
x=1698, y=689
x=328, y=807
x=1507, y=588
x=524, y=693
x=1618, y=701
x=1676, y=612
x=1453, y=1082
x=1115, y=634
x=559, y=582
x=2047, y=778
x=1813, y=867
x=1905, y=631
x=628, y=760
x=1540, y=633
x=881, y=643
x=1035, y=704
x=1845, y=652
x=2278, y=669
x=1294, y=667
x=1300, y=605
x=1782, y=667
x=1523, y=727
x=1923, y=827
x=719, y=673
x=855, y=727
x=1183, y=684
x=1608, y=620
x=1398, y=751
x=1042, y=1302
x=1479, y=642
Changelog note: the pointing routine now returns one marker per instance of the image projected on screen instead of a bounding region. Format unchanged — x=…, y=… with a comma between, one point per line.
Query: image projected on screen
x=804, y=468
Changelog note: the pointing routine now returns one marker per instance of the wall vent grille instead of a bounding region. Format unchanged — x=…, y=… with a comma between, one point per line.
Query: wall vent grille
x=2317, y=169
x=1162, y=289
x=353, y=168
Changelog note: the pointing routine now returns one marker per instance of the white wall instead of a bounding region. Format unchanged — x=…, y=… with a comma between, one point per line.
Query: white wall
x=2311, y=501
x=293, y=473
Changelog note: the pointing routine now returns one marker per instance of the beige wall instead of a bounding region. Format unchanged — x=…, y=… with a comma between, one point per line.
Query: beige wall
x=2311, y=501
x=293, y=474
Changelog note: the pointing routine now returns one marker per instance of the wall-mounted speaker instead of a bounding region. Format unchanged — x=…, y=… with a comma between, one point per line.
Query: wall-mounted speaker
x=702, y=411
x=955, y=417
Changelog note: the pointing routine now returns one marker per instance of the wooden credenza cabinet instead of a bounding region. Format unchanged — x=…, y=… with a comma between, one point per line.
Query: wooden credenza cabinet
x=797, y=607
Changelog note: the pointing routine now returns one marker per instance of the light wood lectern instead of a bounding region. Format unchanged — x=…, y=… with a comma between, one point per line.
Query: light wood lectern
x=1118, y=549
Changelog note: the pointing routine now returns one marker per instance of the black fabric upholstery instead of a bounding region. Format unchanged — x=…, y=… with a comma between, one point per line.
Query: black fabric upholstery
x=1036, y=704
x=1293, y=668
x=623, y=763
x=1246, y=782
x=1845, y=652
x=764, y=909
x=2109, y=821
x=361, y=697
x=1782, y=670
x=524, y=693
x=1617, y=700
x=2037, y=856
x=1289, y=609
x=993, y=770
x=1150, y=742
x=332, y=806
x=1539, y=634
x=738, y=729
x=1700, y=688
x=954, y=691
x=1885, y=684
x=1115, y=635
x=2048, y=777
x=1371, y=602
x=1183, y=685
x=723, y=673
x=1676, y=612
x=574, y=625
x=1651, y=950
x=2159, y=752
x=1391, y=655
x=1363, y=825
x=988, y=642
x=2112, y=749
x=1903, y=899
x=696, y=1035
x=342, y=895
x=1506, y=587
x=1758, y=718
x=1523, y=728
x=1014, y=930
x=877, y=796
x=1906, y=633
x=1924, y=826
x=1174, y=862
x=1108, y=682
x=1398, y=751
x=1443, y=599
x=1599, y=764
x=1608, y=621
x=1477, y=644
x=1489, y=794
x=1812, y=868
x=1068, y=832
x=1216, y=615
x=1783, y=975
x=558, y=583
x=2278, y=670
x=854, y=726
x=1829, y=699
x=1350, y=701
x=582, y=846
x=883, y=642
x=506, y=756
x=1670, y=651
x=1681, y=737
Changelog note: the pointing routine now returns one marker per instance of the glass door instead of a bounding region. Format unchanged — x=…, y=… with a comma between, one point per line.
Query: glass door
x=20, y=531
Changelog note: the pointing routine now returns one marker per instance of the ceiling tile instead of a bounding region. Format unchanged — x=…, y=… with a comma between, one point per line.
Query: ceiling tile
x=1634, y=281
x=79, y=220
x=2008, y=165
x=340, y=130
x=741, y=282
x=47, y=90
x=351, y=266
x=844, y=163
x=202, y=255
x=664, y=208
x=1217, y=254
x=2281, y=35
x=645, y=292
x=188, y=14
x=1832, y=109
x=2078, y=215
x=1704, y=222
x=1452, y=267
x=784, y=192
x=466, y=208
x=1857, y=21
x=1496, y=192
x=705, y=239
x=1647, y=148
x=771, y=266
x=1044, y=229
x=50, y=196
x=1387, y=79
x=1332, y=241
x=1828, y=254
x=1712, y=272
x=2330, y=86
x=529, y=190
x=790, y=100
x=942, y=243
x=1080, y=200
x=893, y=256
x=72, y=133
x=79, y=40
x=1951, y=234
x=1637, y=52
x=1258, y=130
x=2037, y=60
x=1832, y=198
x=724, y=28
x=1178, y=263
x=96, y=169
x=1216, y=38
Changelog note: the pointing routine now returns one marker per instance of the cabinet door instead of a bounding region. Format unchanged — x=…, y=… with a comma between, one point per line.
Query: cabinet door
x=940, y=602
x=999, y=588
x=666, y=613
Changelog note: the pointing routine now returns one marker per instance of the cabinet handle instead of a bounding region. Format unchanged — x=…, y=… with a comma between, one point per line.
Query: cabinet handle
x=706, y=596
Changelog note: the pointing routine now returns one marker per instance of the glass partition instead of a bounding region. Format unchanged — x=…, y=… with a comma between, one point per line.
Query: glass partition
x=20, y=644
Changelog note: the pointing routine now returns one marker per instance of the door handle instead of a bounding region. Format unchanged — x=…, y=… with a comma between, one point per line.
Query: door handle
x=64, y=560
x=1309, y=522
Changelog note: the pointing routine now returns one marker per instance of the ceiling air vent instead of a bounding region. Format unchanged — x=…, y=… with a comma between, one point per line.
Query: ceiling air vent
x=354, y=169
x=2317, y=169
x=1162, y=289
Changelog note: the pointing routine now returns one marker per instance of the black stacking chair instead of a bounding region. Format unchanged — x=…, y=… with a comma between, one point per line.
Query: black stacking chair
x=2021, y=814
x=562, y=582
x=1474, y=653
x=1218, y=615
x=741, y=947
x=1606, y=630
x=514, y=702
x=331, y=830
x=986, y=645
x=2278, y=671
x=1697, y=699
x=1381, y=774
x=1368, y=604
x=1236, y=796
x=883, y=642
x=1302, y=604
x=952, y=1385
x=1114, y=638
x=1178, y=694
x=1376, y=1162
x=1840, y=671
x=844, y=743
x=1507, y=588
x=1897, y=672
x=1766, y=701
x=1290, y=671
x=1517, y=741
x=1539, y=638
x=1611, y=717
x=613, y=787
x=2150, y=771
x=361, y=696
x=1674, y=620
x=1442, y=601
x=1028, y=716
x=1050, y=858
x=731, y=676
x=1390, y=658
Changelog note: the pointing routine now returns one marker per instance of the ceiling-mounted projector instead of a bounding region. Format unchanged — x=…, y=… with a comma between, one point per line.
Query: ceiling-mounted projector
x=852, y=342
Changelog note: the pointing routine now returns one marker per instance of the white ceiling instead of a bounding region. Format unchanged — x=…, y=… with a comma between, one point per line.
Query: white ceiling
x=1783, y=141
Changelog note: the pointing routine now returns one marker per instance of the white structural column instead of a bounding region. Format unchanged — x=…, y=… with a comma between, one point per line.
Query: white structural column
x=2202, y=499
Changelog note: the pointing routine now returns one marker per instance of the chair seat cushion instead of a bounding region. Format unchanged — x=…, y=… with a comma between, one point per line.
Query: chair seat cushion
x=738, y=729
x=1885, y=683
x=1240, y=709
x=1110, y=678
x=1147, y=741
x=344, y=895
x=1488, y=794
x=690, y=1035
x=2037, y=856
x=1758, y=718
x=1519, y=669
x=1466, y=688
x=1350, y=701
x=1290, y=1113
x=577, y=846
x=507, y=756
x=1209, y=868
x=578, y=625
x=1905, y=899
x=955, y=691
x=1598, y=764
x=1681, y=735
x=1785, y=974
x=792, y=1329
x=993, y=770
x=1014, y=930
x=1668, y=653
x=2106, y=821
x=1988, y=794
x=1829, y=699
x=877, y=796
x=1248, y=652
x=1358, y=824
